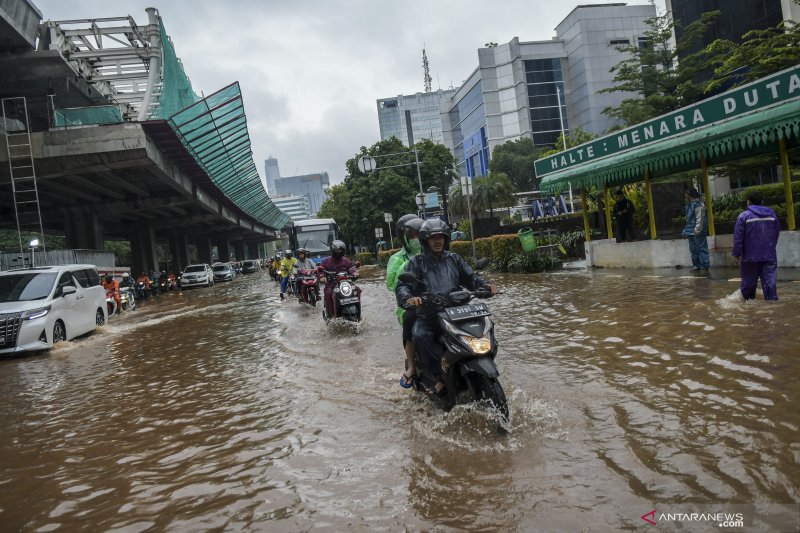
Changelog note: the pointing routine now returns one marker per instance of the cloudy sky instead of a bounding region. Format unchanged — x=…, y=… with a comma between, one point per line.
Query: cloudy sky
x=311, y=70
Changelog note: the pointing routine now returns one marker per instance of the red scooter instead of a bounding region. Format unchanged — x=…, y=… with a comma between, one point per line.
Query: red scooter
x=309, y=287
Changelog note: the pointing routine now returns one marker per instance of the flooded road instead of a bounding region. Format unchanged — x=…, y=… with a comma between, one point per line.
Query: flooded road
x=225, y=409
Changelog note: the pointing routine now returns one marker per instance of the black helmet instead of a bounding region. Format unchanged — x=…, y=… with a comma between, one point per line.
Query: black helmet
x=434, y=226
x=109, y=278
x=337, y=248
x=403, y=220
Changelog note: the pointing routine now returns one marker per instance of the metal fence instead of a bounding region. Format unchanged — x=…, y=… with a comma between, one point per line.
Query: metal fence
x=100, y=258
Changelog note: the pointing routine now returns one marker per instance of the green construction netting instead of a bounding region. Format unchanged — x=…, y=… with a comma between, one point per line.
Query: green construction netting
x=176, y=89
x=79, y=116
x=214, y=130
x=720, y=142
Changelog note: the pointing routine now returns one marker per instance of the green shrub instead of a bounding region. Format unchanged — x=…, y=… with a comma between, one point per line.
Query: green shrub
x=539, y=261
x=384, y=255
x=366, y=258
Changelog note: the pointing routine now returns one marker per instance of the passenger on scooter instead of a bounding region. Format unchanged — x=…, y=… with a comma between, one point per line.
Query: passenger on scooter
x=112, y=286
x=303, y=263
x=442, y=272
x=407, y=231
x=286, y=266
x=329, y=267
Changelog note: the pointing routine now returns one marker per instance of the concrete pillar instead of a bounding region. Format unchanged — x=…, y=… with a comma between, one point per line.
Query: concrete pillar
x=204, y=250
x=83, y=230
x=238, y=250
x=179, y=246
x=224, y=249
x=252, y=249
x=143, y=249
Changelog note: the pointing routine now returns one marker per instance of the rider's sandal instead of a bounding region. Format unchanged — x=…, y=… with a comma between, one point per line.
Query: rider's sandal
x=406, y=381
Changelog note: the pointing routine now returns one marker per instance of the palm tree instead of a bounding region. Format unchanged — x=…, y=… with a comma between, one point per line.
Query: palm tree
x=493, y=190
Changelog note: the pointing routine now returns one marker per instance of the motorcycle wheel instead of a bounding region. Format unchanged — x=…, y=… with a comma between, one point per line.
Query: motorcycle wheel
x=489, y=389
x=350, y=312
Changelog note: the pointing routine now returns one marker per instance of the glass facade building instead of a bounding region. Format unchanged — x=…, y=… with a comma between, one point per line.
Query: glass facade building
x=413, y=117
x=514, y=91
x=310, y=186
x=272, y=173
x=545, y=84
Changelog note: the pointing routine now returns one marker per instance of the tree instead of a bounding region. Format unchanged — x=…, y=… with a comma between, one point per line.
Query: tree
x=653, y=73
x=515, y=159
x=760, y=53
x=573, y=138
x=358, y=203
x=494, y=190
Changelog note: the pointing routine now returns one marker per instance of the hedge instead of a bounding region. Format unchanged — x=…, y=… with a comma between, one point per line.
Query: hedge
x=504, y=251
x=366, y=258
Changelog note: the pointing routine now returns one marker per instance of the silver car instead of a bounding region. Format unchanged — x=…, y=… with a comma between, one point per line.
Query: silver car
x=199, y=275
x=223, y=272
x=45, y=305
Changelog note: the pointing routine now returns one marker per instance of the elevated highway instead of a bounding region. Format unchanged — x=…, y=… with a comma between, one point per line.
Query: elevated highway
x=122, y=147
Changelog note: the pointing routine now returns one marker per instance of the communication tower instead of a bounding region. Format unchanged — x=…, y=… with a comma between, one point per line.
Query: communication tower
x=427, y=69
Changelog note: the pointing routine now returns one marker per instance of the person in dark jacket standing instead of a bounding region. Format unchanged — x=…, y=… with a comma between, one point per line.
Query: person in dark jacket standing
x=696, y=229
x=755, y=239
x=442, y=272
x=623, y=213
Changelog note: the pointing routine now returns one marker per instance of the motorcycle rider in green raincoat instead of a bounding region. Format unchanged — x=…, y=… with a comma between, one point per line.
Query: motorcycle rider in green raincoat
x=407, y=229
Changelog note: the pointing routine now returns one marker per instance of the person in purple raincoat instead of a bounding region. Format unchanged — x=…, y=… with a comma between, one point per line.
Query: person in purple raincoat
x=755, y=238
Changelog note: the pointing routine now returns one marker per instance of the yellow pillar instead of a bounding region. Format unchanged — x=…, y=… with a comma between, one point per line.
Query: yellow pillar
x=607, y=200
x=787, y=187
x=650, y=212
x=707, y=187
x=586, y=230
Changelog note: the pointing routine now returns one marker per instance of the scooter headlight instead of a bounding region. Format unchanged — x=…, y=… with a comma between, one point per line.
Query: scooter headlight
x=480, y=345
x=345, y=289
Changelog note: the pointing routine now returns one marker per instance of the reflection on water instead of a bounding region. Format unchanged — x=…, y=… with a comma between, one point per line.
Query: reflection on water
x=224, y=408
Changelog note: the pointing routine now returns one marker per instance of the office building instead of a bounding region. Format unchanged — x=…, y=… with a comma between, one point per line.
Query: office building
x=534, y=89
x=295, y=206
x=413, y=117
x=272, y=173
x=736, y=17
x=311, y=186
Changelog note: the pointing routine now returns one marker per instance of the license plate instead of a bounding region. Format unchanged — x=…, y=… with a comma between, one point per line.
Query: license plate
x=463, y=312
x=345, y=301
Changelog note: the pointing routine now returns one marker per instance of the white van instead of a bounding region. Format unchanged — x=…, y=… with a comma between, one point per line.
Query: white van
x=44, y=305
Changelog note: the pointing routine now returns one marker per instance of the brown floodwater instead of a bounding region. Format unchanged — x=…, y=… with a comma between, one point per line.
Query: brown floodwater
x=225, y=409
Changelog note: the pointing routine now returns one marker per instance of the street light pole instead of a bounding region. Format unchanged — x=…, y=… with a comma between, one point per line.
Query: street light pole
x=419, y=177
x=466, y=190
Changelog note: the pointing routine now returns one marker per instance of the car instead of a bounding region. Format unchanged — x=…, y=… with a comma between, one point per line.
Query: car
x=42, y=306
x=249, y=266
x=197, y=275
x=223, y=272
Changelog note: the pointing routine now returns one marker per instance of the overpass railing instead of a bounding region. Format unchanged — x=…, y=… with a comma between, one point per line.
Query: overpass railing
x=102, y=259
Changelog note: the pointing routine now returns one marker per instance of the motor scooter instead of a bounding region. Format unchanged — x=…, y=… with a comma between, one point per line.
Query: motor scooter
x=309, y=286
x=467, y=350
x=127, y=298
x=346, y=295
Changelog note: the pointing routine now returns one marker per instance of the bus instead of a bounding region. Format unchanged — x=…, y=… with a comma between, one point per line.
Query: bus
x=316, y=236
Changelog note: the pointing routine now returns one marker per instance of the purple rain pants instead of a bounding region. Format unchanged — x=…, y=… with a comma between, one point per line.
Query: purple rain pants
x=750, y=271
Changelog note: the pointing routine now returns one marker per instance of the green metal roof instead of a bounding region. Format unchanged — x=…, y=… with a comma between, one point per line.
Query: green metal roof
x=718, y=142
x=746, y=120
x=214, y=131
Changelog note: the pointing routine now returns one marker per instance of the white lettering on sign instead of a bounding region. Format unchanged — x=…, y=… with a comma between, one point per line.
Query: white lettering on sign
x=751, y=98
x=794, y=83
x=730, y=105
x=698, y=117
x=622, y=140
x=664, y=129
x=648, y=132
x=774, y=88
x=634, y=136
x=680, y=122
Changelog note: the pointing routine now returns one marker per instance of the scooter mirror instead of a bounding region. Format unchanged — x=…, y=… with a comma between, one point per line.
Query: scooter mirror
x=482, y=263
x=407, y=277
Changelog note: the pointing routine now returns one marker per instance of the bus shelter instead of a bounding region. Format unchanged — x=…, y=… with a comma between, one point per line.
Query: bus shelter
x=758, y=118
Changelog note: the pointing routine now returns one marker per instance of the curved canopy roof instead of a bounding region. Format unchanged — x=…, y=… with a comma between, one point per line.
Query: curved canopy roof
x=744, y=121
